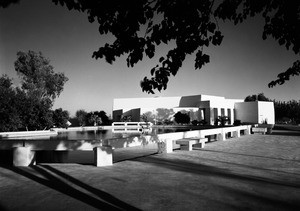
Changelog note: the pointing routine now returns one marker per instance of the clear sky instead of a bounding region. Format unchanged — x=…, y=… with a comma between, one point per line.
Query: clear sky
x=244, y=64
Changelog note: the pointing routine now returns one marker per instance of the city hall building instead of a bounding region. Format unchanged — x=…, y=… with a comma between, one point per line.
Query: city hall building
x=199, y=107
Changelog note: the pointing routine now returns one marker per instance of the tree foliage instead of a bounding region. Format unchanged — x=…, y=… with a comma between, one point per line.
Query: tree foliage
x=139, y=26
x=37, y=75
x=287, y=111
x=182, y=118
x=163, y=114
x=9, y=118
x=81, y=116
x=258, y=97
x=60, y=118
x=29, y=107
x=95, y=118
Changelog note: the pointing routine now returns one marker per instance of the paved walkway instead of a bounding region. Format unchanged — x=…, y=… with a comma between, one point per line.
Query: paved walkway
x=256, y=172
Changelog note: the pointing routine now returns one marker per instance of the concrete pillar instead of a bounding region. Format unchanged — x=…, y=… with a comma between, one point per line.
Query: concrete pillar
x=248, y=130
x=169, y=146
x=237, y=133
x=23, y=156
x=103, y=156
x=218, y=112
x=229, y=114
x=165, y=146
x=232, y=115
x=222, y=136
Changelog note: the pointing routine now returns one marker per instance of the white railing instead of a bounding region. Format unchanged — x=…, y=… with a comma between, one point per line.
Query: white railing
x=130, y=126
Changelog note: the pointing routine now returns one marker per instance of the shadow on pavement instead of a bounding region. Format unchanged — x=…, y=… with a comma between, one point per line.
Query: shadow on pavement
x=104, y=201
x=285, y=133
x=215, y=172
x=247, y=155
x=195, y=168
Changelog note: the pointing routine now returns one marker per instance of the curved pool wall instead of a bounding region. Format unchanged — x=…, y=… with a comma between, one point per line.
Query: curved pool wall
x=22, y=134
x=131, y=141
x=81, y=151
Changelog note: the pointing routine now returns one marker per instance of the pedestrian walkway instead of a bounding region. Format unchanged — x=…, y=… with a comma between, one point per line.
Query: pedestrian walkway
x=255, y=172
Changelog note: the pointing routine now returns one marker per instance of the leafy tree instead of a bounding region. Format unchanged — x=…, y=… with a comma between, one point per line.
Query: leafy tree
x=81, y=115
x=37, y=75
x=192, y=24
x=35, y=114
x=258, y=97
x=18, y=111
x=9, y=116
x=182, y=118
x=61, y=118
x=149, y=116
x=287, y=111
x=139, y=26
x=29, y=107
x=164, y=114
x=93, y=119
x=103, y=117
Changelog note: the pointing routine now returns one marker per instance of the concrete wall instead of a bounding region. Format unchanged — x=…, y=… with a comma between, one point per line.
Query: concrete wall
x=117, y=115
x=266, y=112
x=193, y=102
x=255, y=112
x=159, y=102
x=134, y=113
x=246, y=112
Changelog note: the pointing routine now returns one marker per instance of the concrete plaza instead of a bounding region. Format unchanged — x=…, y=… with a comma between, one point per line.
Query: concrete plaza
x=254, y=172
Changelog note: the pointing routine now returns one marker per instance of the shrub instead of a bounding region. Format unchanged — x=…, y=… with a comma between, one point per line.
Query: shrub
x=237, y=122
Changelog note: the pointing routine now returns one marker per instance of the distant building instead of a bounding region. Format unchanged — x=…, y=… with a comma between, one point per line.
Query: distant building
x=199, y=107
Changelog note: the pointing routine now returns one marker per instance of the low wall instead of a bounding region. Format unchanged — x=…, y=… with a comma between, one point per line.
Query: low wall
x=24, y=150
x=28, y=133
x=78, y=128
x=150, y=139
x=87, y=145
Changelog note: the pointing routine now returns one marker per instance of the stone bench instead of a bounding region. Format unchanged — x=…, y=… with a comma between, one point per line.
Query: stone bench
x=187, y=143
x=261, y=130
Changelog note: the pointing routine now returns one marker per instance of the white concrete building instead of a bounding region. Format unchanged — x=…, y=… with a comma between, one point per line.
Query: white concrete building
x=200, y=107
x=255, y=112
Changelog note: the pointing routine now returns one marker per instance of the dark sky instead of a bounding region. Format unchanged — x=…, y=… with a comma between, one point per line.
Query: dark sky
x=244, y=64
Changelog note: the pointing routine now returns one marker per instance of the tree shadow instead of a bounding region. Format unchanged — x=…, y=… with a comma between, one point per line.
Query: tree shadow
x=279, y=203
x=2, y=208
x=201, y=169
x=246, y=155
x=133, y=157
x=285, y=133
x=51, y=180
x=101, y=194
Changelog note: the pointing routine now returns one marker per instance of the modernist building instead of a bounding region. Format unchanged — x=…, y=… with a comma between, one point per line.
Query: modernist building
x=200, y=107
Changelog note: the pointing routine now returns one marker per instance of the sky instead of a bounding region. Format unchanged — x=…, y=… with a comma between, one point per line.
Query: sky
x=243, y=65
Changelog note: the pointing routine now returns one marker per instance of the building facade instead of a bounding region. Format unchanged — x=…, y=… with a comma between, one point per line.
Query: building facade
x=158, y=109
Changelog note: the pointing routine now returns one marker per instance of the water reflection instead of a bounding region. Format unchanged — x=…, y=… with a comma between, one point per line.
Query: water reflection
x=98, y=134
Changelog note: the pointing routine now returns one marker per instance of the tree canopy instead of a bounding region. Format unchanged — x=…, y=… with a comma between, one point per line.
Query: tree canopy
x=182, y=118
x=38, y=76
x=258, y=97
x=29, y=106
x=139, y=26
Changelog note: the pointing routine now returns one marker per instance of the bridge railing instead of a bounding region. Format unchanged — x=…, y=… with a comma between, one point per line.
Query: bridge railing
x=130, y=126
